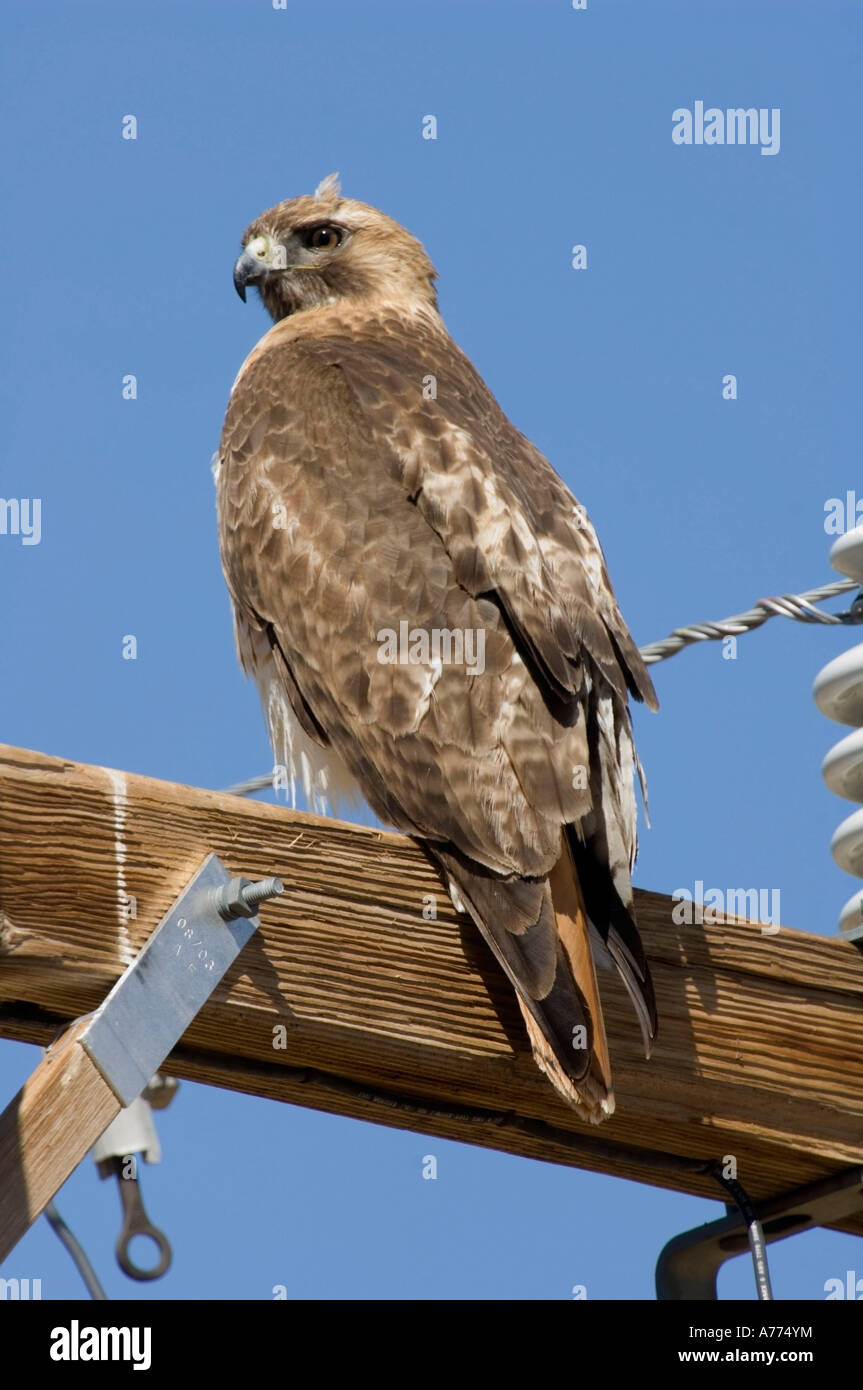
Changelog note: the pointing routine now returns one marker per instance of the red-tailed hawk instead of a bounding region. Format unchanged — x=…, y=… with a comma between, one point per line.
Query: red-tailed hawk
x=426, y=610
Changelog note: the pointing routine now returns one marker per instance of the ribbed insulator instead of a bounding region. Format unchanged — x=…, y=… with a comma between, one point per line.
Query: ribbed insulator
x=839, y=694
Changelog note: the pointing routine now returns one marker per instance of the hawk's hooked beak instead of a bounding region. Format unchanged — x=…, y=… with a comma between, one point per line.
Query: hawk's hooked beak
x=248, y=271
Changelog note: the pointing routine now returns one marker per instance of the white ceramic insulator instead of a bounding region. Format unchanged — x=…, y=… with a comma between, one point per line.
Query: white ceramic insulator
x=838, y=688
x=851, y=918
x=846, y=554
x=842, y=769
x=838, y=693
x=847, y=844
x=130, y=1132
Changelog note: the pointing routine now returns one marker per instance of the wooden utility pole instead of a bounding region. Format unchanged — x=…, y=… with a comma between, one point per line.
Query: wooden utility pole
x=51, y=1125
x=365, y=994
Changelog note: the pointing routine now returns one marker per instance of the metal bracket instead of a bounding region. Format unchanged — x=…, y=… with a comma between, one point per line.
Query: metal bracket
x=688, y=1265
x=158, y=996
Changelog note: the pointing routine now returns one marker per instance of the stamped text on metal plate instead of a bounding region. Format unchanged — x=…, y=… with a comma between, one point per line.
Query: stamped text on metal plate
x=155, y=1000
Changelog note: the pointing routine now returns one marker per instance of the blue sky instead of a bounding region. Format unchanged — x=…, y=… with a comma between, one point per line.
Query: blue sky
x=554, y=129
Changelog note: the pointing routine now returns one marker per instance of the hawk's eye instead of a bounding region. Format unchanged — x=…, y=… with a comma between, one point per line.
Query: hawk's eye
x=323, y=238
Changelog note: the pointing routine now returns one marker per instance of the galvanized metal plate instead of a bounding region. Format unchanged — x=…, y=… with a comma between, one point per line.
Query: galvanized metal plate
x=155, y=1000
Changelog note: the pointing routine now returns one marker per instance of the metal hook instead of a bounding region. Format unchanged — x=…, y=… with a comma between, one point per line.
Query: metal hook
x=136, y=1223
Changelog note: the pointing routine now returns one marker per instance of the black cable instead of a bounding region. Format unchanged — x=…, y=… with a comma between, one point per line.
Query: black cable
x=757, y=1243
x=76, y=1250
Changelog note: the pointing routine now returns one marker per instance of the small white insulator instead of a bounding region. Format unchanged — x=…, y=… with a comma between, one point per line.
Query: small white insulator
x=130, y=1132
x=838, y=688
x=842, y=769
x=846, y=554
x=838, y=693
x=847, y=844
x=851, y=918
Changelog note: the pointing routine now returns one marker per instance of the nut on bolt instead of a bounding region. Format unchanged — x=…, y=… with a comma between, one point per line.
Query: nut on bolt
x=241, y=897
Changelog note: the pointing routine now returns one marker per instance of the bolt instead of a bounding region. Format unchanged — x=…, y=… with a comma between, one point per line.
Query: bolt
x=240, y=897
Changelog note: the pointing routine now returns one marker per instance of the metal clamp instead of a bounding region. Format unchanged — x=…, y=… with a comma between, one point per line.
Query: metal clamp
x=688, y=1265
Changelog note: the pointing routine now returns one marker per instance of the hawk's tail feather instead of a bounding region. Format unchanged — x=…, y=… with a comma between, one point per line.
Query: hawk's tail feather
x=614, y=923
x=578, y=975
x=551, y=966
x=589, y=1097
x=639, y=988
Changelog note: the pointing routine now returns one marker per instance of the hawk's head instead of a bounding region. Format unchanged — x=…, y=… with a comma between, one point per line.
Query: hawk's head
x=317, y=250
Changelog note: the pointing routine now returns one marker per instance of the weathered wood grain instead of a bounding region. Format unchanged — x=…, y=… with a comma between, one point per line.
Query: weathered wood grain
x=46, y=1130
x=760, y=1036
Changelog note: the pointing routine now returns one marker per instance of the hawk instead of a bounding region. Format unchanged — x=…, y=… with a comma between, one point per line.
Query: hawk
x=428, y=616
